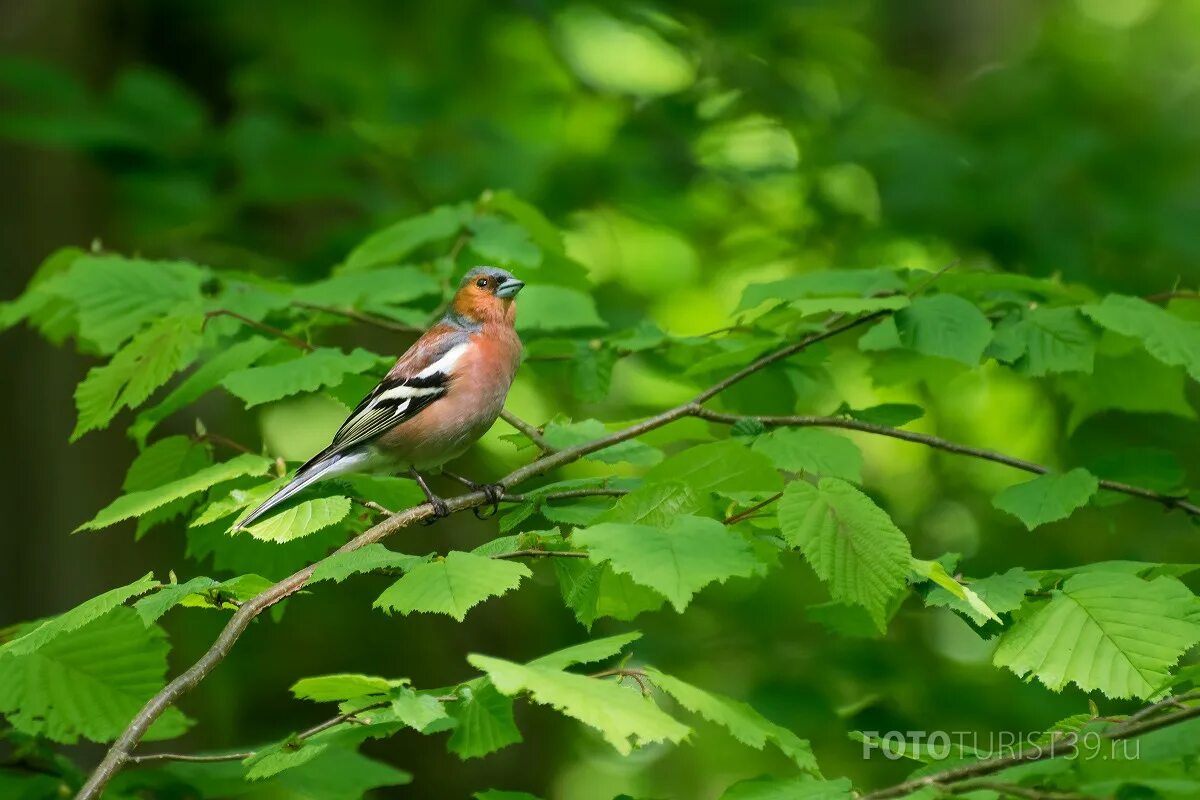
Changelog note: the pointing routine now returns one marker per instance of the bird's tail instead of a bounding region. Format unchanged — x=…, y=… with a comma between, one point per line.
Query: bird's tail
x=318, y=469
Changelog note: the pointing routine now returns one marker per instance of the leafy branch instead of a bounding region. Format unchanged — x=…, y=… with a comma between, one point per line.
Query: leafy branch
x=938, y=443
x=120, y=752
x=963, y=779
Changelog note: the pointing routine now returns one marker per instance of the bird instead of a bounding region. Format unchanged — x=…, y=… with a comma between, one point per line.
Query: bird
x=439, y=398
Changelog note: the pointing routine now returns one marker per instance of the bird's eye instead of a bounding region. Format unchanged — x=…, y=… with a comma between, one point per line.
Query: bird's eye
x=481, y=283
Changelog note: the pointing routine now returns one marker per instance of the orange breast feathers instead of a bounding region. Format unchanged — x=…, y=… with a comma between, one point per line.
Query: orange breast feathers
x=479, y=383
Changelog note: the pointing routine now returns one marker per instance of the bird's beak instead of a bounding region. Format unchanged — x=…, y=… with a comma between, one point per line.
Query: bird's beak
x=509, y=288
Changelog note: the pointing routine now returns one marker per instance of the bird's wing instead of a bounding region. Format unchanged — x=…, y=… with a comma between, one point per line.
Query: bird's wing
x=419, y=379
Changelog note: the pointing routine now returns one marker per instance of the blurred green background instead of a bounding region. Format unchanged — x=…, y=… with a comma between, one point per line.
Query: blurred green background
x=687, y=150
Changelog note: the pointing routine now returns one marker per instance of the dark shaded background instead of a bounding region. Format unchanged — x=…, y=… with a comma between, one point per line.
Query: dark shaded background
x=1037, y=137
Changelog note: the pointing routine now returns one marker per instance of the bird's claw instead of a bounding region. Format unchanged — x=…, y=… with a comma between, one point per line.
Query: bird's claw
x=440, y=510
x=493, y=493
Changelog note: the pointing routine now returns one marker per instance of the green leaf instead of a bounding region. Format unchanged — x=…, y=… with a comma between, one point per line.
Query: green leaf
x=417, y=711
x=497, y=794
x=678, y=561
x=544, y=307
x=452, y=585
x=167, y=460
x=744, y=723
x=1048, y=498
x=207, y=377
x=396, y=241
x=503, y=243
x=850, y=542
x=833, y=283
x=143, y=365
x=592, y=591
x=893, y=415
x=813, y=451
x=384, y=286
x=562, y=436
x=1001, y=593
x=934, y=571
x=84, y=613
x=323, y=367
x=116, y=296
x=336, y=773
x=587, y=652
x=944, y=325
x=591, y=372
x=1104, y=631
x=302, y=519
x=621, y=715
x=137, y=503
x=1051, y=340
x=656, y=505
x=342, y=686
x=485, y=721
x=167, y=597
x=727, y=468
x=88, y=682
x=802, y=788
x=340, y=566
x=1171, y=339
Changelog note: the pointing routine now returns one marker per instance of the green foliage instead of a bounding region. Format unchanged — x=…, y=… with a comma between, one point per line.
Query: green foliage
x=1048, y=498
x=743, y=722
x=1104, y=631
x=452, y=585
x=687, y=196
x=325, y=367
x=138, y=503
x=813, y=451
x=622, y=715
x=88, y=680
x=850, y=542
x=1168, y=338
x=677, y=561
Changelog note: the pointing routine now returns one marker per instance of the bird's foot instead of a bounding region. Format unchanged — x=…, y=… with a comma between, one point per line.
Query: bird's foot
x=440, y=509
x=492, y=492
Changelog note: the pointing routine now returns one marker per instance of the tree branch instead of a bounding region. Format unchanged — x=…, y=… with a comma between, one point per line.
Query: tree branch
x=358, y=316
x=300, y=737
x=536, y=553
x=531, y=433
x=1169, y=501
x=300, y=344
x=955, y=780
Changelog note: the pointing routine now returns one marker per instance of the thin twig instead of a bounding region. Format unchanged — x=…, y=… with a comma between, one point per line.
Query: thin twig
x=536, y=553
x=1177, y=294
x=371, y=504
x=348, y=716
x=530, y=432
x=262, y=326
x=951, y=779
x=201, y=759
x=1167, y=500
x=358, y=316
x=216, y=438
x=1064, y=747
x=566, y=494
x=752, y=510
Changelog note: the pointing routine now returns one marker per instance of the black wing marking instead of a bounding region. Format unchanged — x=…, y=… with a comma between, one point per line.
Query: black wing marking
x=392, y=402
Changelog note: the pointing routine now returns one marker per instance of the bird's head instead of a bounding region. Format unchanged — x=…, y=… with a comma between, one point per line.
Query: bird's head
x=487, y=294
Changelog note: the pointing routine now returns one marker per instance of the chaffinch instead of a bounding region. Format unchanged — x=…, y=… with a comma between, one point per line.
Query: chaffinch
x=439, y=398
